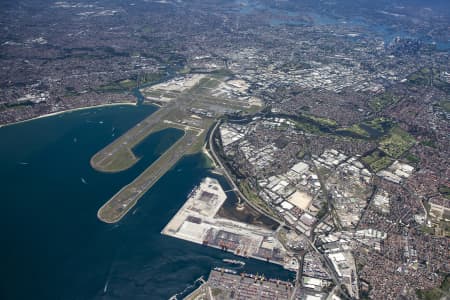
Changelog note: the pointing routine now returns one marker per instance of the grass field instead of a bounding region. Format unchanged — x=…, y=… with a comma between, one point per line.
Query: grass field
x=120, y=161
x=445, y=104
x=119, y=155
x=445, y=191
x=307, y=127
x=253, y=198
x=113, y=210
x=379, y=124
x=396, y=142
x=377, y=160
x=391, y=146
x=380, y=102
x=354, y=130
x=322, y=121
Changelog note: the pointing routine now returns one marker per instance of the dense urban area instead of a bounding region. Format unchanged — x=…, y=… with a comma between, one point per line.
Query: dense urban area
x=330, y=124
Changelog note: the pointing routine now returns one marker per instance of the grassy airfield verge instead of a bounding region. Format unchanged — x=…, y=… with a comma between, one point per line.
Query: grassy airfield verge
x=197, y=105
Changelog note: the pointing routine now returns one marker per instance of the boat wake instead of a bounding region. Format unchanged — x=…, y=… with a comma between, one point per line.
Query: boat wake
x=198, y=282
x=108, y=277
x=105, y=289
x=236, y=264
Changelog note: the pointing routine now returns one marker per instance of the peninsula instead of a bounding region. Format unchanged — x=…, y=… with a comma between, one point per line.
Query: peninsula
x=191, y=103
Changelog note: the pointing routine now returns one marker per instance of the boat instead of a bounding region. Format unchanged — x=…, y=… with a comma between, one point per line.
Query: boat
x=233, y=261
x=225, y=270
x=192, y=192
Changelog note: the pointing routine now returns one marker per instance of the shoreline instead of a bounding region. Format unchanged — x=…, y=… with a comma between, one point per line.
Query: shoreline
x=251, y=256
x=69, y=111
x=107, y=205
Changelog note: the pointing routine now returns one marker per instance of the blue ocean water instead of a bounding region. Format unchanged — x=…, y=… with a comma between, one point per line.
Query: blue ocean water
x=52, y=244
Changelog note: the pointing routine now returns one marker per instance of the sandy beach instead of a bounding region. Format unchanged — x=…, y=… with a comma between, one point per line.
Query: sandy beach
x=68, y=111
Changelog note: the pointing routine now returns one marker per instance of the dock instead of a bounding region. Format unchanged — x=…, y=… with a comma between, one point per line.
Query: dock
x=190, y=110
x=197, y=222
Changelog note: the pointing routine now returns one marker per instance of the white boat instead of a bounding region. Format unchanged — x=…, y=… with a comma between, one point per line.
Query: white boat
x=233, y=261
x=225, y=270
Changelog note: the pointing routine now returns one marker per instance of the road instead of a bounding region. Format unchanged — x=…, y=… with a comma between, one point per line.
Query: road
x=229, y=178
x=118, y=206
x=324, y=260
x=179, y=113
x=118, y=155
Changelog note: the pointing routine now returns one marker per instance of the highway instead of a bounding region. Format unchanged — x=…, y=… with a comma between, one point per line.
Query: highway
x=229, y=178
x=324, y=260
